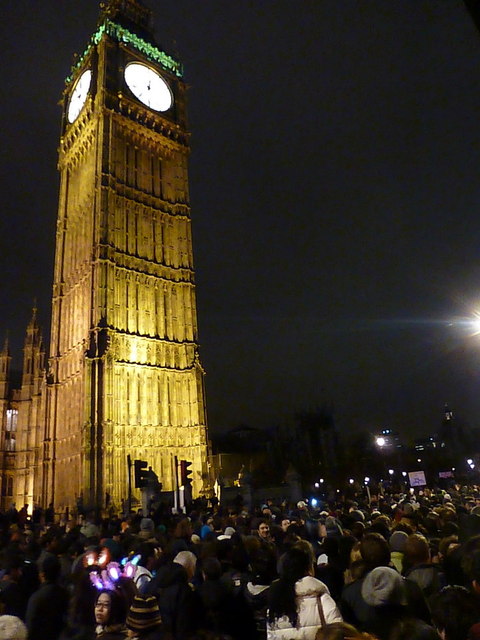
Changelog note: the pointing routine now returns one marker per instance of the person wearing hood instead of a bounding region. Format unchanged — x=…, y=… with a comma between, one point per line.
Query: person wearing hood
x=299, y=604
x=179, y=603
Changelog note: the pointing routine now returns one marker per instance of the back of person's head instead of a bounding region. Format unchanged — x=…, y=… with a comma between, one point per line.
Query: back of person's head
x=211, y=568
x=341, y=631
x=296, y=564
x=51, y=568
x=397, y=541
x=188, y=561
x=416, y=550
x=146, y=550
x=413, y=629
x=454, y=610
x=381, y=527
x=263, y=566
x=239, y=556
x=306, y=546
x=383, y=586
x=330, y=546
x=143, y=616
x=375, y=551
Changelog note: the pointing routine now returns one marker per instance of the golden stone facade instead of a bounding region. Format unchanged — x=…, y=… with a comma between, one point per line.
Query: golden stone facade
x=124, y=376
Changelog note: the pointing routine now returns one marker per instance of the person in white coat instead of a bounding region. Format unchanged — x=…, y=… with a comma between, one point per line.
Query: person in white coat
x=299, y=604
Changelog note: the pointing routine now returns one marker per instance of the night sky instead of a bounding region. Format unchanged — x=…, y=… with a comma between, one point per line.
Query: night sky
x=335, y=192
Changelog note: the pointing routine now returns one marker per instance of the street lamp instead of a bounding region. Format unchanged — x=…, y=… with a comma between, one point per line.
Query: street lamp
x=380, y=441
x=391, y=472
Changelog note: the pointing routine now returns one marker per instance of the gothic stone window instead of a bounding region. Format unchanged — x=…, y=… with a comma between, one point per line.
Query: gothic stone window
x=11, y=429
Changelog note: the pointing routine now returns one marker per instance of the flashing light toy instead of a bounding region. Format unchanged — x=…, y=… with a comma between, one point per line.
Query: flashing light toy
x=107, y=576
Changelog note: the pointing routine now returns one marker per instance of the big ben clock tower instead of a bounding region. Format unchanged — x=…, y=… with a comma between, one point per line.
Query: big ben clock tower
x=124, y=372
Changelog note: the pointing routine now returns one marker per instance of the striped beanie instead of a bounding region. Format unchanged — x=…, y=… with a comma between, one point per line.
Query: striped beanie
x=143, y=614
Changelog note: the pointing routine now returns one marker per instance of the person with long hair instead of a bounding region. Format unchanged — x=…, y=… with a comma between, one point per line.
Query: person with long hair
x=299, y=604
x=110, y=616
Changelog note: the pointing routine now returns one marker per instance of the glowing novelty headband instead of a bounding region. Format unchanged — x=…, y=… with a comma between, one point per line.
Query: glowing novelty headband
x=107, y=577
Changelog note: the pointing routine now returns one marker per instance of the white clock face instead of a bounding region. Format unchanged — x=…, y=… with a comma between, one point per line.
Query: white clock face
x=148, y=86
x=79, y=95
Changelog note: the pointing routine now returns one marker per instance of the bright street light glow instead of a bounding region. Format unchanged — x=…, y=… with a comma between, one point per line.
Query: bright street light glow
x=469, y=461
x=475, y=324
x=391, y=472
x=380, y=441
x=351, y=481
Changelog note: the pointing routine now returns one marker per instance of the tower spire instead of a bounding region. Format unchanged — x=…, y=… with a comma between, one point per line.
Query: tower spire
x=131, y=14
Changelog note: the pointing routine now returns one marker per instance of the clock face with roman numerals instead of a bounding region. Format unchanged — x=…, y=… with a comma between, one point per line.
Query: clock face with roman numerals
x=148, y=86
x=79, y=95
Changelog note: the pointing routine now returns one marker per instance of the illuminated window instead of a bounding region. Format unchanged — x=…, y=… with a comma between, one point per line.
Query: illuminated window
x=12, y=416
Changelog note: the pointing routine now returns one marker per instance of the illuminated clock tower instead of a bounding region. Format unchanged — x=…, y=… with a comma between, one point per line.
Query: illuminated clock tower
x=124, y=371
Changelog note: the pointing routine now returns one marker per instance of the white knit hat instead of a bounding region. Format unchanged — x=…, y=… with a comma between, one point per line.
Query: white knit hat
x=12, y=628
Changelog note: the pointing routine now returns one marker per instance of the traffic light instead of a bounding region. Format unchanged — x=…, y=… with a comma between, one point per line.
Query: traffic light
x=141, y=473
x=185, y=472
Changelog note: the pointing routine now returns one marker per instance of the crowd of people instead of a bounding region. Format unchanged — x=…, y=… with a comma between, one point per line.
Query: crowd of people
x=387, y=567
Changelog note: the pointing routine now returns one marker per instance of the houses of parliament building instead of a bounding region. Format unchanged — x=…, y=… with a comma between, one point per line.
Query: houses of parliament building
x=123, y=375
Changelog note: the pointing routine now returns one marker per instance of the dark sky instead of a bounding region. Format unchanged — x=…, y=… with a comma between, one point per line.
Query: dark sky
x=335, y=197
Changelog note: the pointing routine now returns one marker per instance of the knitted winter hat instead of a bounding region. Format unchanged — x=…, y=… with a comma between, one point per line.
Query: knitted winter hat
x=144, y=614
x=12, y=628
x=397, y=541
x=147, y=524
x=227, y=534
x=384, y=586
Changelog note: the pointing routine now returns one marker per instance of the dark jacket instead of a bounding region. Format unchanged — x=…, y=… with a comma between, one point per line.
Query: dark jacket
x=256, y=597
x=47, y=612
x=226, y=613
x=178, y=602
